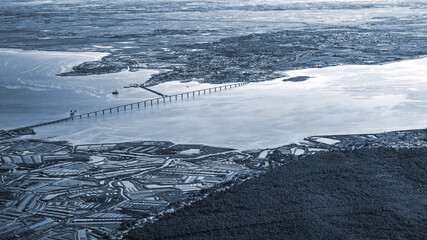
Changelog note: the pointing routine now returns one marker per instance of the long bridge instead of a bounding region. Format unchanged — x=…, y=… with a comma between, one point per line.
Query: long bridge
x=140, y=104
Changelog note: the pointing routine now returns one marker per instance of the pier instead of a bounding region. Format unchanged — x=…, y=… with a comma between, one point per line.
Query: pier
x=155, y=92
x=140, y=104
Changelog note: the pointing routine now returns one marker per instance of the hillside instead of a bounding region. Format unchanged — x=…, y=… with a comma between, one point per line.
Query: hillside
x=366, y=193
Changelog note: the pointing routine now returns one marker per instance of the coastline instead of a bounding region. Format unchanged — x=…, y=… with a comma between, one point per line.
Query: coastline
x=213, y=119
x=125, y=170
x=31, y=88
x=335, y=100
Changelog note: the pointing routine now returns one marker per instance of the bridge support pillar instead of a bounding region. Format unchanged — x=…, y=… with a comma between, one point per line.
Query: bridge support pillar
x=164, y=97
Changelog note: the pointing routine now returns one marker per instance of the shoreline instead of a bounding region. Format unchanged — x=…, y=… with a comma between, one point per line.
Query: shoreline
x=98, y=56
x=340, y=141
x=305, y=105
x=95, y=55
x=34, y=92
x=165, y=175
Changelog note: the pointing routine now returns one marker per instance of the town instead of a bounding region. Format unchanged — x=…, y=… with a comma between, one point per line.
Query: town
x=54, y=190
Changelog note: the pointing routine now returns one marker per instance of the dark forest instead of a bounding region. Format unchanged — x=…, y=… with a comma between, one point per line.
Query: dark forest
x=365, y=193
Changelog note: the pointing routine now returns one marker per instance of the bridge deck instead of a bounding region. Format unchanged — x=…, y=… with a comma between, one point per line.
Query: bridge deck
x=135, y=105
x=155, y=92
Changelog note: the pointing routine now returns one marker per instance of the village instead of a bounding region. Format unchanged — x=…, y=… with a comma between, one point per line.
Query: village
x=54, y=190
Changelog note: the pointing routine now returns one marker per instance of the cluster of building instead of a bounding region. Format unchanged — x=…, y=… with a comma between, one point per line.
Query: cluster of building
x=394, y=139
x=52, y=190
